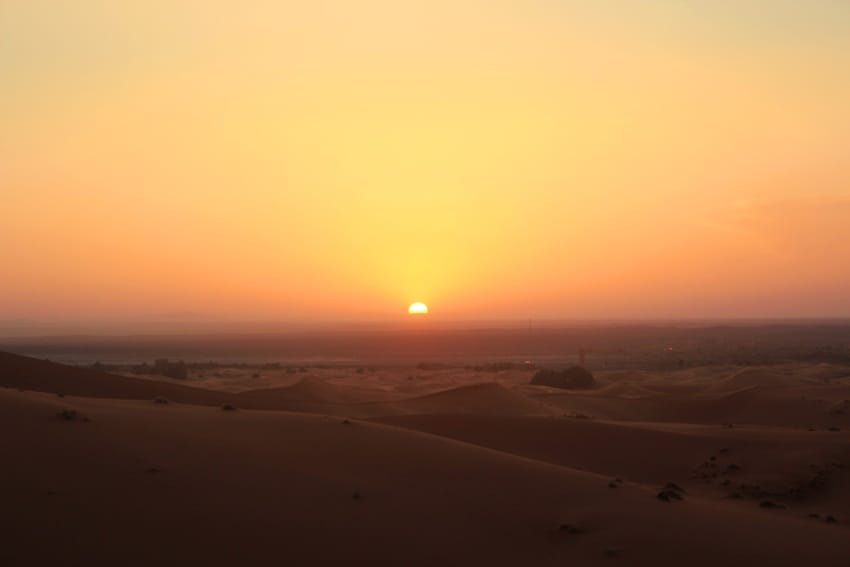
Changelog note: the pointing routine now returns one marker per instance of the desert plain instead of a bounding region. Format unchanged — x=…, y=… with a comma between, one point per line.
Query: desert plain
x=425, y=463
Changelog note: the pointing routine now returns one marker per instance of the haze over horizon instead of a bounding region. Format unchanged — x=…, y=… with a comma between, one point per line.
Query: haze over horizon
x=322, y=161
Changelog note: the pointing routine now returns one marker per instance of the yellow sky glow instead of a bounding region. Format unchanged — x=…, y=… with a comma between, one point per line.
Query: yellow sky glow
x=333, y=159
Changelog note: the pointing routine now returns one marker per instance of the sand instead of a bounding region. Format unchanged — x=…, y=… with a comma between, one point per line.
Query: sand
x=405, y=466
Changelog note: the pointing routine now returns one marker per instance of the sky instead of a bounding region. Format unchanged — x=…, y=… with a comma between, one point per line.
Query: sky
x=337, y=160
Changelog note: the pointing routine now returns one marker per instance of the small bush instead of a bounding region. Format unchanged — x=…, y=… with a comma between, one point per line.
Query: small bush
x=570, y=529
x=68, y=415
x=669, y=496
x=575, y=377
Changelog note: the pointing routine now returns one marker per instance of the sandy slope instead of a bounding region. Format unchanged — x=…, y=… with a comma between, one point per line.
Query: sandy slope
x=709, y=461
x=798, y=397
x=474, y=475
x=43, y=376
x=248, y=486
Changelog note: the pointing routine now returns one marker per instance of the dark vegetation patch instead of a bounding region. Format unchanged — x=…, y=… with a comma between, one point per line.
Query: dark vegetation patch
x=572, y=378
x=669, y=496
x=69, y=415
x=571, y=529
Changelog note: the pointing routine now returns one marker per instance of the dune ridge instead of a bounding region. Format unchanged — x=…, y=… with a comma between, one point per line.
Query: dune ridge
x=495, y=473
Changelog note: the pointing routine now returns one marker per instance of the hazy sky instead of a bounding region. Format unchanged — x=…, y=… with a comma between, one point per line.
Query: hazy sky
x=340, y=159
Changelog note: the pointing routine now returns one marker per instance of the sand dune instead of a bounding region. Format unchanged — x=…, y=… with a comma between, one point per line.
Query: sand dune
x=484, y=398
x=310, y=395
x=142, y=483
x=485, y=473
x=311, y=390
x=43, y=376
x=708, y=460
x=754, y=377
x=625, y=390
x=767, y=396
x=749, y=396
x=317, y=397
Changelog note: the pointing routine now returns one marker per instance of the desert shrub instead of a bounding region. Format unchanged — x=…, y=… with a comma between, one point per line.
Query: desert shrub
x=570, y=529
x=574, y=377
x=669, y=496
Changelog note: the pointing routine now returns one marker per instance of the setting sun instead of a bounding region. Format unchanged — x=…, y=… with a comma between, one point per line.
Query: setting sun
x=418, y=308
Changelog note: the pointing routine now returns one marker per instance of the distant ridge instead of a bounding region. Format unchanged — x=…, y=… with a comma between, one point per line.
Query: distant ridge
x=26, y=373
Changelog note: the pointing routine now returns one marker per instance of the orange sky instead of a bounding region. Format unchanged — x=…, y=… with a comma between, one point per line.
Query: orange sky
x=304, y=161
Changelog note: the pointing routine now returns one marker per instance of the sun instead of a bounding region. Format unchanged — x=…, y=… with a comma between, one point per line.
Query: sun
x=418, y=308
